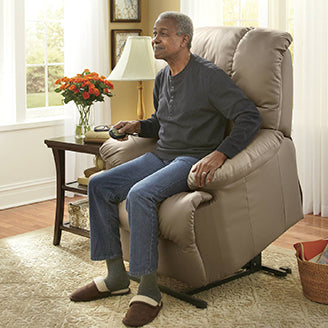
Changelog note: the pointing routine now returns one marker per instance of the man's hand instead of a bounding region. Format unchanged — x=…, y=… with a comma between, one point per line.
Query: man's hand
x=128, y=127
x=206, y=167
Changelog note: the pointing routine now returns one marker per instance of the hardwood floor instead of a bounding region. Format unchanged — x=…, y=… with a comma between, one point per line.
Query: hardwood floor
x=17, y=220
x=31, y=217
x=312, y=227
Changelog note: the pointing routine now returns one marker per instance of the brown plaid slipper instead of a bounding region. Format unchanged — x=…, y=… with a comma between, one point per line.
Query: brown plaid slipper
x=142, y=310
x=95, y=290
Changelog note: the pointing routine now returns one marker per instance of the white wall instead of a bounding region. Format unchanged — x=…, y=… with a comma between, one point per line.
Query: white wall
x=27, y=170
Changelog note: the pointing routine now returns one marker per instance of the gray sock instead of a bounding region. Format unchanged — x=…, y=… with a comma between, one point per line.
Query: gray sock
x=149, y=287
x=117, y=277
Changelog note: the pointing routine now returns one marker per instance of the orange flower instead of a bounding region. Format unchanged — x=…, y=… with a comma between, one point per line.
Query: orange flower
x=85, y=95
x=85, y=88
x=109, y=84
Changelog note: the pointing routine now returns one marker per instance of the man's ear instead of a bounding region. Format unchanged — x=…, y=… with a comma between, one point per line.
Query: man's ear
x=185, y=40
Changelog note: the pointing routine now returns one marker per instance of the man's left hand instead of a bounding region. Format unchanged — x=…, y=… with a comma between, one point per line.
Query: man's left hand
x=206, y=167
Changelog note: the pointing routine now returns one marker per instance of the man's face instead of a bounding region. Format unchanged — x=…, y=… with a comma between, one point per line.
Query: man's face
x=166, y=43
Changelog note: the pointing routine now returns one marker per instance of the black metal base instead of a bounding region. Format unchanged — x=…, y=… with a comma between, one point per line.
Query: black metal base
x=254, y=265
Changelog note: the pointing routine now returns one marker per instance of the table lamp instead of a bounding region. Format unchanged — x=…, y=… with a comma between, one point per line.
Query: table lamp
x=137, y=63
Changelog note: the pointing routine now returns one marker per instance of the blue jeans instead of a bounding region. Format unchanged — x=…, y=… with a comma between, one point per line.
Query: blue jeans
x=143, y=182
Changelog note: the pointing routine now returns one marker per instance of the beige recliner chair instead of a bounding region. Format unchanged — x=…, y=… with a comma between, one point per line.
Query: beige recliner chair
x=206, y=235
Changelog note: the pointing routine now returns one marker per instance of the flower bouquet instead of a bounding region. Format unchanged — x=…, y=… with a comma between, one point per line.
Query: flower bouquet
x=84, y=89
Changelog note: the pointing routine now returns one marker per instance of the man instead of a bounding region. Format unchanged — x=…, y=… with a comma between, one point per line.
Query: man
x=193, y=99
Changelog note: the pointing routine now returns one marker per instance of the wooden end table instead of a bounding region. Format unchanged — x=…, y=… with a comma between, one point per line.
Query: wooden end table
x=59, y=146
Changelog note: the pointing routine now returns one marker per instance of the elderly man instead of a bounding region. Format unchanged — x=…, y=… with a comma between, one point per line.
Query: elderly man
x=193, y=99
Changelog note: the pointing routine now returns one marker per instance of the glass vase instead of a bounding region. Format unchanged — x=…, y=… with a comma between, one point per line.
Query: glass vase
x=84, y=124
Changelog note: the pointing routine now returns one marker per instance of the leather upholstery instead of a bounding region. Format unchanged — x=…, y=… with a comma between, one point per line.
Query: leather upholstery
x=252, y=57
x=208, y=234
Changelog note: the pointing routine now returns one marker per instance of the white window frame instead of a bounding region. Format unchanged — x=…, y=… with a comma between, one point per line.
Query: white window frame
x=13, y=111
x=46, y=111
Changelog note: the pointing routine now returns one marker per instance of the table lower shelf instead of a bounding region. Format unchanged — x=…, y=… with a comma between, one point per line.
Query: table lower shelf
x=78, y=231
x=76, y=187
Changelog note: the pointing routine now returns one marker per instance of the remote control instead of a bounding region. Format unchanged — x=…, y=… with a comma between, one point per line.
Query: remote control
x=115, y=134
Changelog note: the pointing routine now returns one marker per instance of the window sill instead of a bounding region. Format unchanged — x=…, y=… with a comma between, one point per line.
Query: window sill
x=33, y=123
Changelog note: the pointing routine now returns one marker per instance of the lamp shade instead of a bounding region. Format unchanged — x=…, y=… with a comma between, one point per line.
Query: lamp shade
x=137, y=62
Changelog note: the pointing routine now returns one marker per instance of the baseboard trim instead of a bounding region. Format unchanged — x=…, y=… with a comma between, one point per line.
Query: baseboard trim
x=27, y=192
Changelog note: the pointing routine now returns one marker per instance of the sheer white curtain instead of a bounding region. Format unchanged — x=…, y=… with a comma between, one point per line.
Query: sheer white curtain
x=86, y=46
x=7, y=61
x=12, y=62
x=203, y=12
x=310, y=125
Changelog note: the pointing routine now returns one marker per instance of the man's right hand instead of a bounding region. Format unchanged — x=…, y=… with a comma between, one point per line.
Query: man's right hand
x=128, y=127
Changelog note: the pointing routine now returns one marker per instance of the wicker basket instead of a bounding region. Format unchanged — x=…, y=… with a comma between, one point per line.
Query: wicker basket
x=314, y=279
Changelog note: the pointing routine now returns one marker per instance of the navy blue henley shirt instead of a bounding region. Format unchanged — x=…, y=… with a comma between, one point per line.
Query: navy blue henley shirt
x=192, y=109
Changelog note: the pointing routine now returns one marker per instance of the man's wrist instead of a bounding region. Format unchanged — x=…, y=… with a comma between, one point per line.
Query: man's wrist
x=137, y=126
x=223, y=156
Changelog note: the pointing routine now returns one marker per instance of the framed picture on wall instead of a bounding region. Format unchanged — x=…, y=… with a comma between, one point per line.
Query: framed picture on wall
x=125, y=10
x=119, y=38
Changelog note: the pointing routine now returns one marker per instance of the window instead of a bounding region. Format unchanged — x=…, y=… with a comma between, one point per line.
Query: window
x=241, y=12
x=277, y=14
x=44, y=56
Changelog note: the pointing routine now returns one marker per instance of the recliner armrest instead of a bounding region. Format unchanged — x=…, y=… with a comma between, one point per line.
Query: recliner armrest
x=176, y=217
x=263, y=147
x=115, y=152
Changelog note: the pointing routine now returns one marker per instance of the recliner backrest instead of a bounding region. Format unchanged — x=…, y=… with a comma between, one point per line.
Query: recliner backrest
x=259, y=62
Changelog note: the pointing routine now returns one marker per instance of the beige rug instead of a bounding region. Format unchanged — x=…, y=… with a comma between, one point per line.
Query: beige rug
x=37, y=277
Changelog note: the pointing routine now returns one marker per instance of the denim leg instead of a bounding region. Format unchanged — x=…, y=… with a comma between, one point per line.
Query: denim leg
x=105, y=191
x=141, y=205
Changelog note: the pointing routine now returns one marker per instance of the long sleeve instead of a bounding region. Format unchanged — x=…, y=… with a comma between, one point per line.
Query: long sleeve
x=192, y=109
x=235, y=106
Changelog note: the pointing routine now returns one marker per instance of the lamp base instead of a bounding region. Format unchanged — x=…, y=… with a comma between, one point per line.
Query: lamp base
x=141, y=106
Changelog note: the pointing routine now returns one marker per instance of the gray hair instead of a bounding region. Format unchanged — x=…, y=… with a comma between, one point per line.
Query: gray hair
x=183, y=22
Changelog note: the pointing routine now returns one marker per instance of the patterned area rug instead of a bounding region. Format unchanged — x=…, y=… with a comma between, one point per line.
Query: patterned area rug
x=36, y=279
